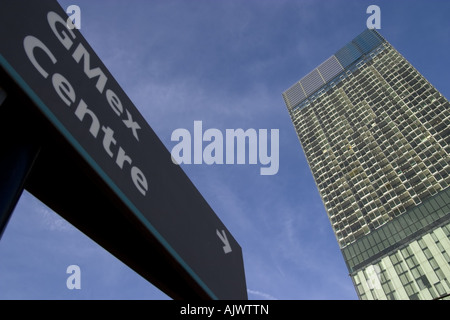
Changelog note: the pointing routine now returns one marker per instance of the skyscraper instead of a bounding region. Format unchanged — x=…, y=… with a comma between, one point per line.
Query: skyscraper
x=376, y=135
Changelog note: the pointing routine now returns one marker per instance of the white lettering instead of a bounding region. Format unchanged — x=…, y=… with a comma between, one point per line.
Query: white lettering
x=64, y=33
x=63, y=88
x=139, y=180
x=82, y=53
x=108, y=139
x=114, y=102
x=122, y=158
x=241, y=136
x=67, y=94
x=246, y=309
x=53, y=19
x=181, y=153
x=134, y=126
x=374, y=21
x=273, y=160
x=213, y=153
x=198, y=142
x=30, y=43
x=189, y=310
x=81, y=111
x=74, y=280
x=74, y=20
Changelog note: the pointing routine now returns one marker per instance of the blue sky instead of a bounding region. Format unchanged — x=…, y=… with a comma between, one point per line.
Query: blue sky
x=225, y=63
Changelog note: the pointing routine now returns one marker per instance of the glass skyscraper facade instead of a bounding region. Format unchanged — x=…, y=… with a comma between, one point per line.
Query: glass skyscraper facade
x=376, y=135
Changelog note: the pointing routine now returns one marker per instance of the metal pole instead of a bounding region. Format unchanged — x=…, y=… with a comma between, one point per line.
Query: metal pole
x=17, y=156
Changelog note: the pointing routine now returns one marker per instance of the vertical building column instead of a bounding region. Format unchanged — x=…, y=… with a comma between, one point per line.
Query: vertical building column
x=17, y=156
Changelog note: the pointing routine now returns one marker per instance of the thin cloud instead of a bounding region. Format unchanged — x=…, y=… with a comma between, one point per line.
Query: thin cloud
x=260, y=294
x=52, y=221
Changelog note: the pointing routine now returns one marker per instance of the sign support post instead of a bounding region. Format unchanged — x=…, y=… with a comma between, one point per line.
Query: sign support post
x=16, y=160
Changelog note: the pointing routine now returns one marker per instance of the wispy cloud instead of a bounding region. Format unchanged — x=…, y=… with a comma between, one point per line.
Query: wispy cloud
x=53, y=221
x=260, y=294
